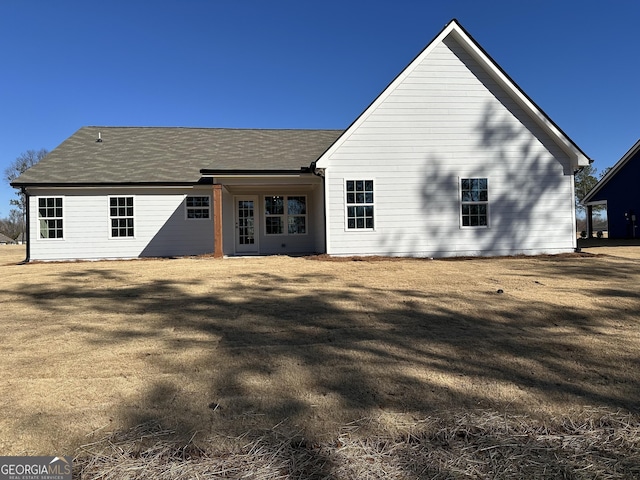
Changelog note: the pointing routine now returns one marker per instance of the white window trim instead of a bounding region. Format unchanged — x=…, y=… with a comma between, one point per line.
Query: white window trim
x=285, y=216
x=460, y=203
x=64, y=228
x=109, y=217
x=186, y=208
x=346, y=206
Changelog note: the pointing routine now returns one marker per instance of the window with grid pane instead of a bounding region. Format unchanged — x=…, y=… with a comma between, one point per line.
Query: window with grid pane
x=360, y=204
x=274, y=214
x=474, y=202
x=198, y=207
x=296, y=215
x=50, y=217
x=121, y=216
x=285, y=215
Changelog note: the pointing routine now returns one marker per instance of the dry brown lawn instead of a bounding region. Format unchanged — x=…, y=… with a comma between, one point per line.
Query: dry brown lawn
x=243, y=357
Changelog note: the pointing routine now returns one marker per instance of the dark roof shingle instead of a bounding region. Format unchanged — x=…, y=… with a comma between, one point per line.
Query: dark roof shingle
x=173, y=155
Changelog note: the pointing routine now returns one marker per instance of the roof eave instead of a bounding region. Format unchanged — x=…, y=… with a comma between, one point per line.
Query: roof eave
x=210, y=172
x=610, y=174
x=575, y=153
x=104, y=184
x=577, y=156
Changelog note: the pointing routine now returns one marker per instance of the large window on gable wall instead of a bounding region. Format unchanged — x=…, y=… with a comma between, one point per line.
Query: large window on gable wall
x=359, y=196
x=285, y=214
x=474, y=202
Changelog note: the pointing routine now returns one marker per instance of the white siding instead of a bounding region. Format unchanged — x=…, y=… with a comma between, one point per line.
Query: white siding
x=161, y=227
x=446, y=120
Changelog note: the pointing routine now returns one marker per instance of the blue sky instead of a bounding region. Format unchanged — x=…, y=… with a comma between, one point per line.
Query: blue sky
x=296, y=64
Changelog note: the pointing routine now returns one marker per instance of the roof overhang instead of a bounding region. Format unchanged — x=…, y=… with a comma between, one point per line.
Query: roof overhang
x=206, y=172
x=610, y=174
x=578, y=157
x=107, y=184
x=456, y=31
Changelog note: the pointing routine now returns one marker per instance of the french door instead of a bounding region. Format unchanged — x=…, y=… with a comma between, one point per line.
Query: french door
x=246, y=224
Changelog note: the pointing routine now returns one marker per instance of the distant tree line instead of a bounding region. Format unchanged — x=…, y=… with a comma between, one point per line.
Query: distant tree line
x=13, y=226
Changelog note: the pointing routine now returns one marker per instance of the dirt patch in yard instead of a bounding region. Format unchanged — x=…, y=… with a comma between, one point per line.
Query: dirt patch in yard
x=248, y=352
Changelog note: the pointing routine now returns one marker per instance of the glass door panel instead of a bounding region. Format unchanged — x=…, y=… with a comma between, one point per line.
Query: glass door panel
x=246, y=228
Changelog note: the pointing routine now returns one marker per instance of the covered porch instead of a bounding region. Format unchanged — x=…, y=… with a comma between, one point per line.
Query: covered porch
x=268, y=214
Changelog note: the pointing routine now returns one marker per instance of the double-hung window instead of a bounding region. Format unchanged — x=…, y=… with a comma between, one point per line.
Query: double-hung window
x=296, y=215
x=285, y=215
x=198, y=207
x=50, y=217
x=360, y=204
x=121, y=216
x=474, y=202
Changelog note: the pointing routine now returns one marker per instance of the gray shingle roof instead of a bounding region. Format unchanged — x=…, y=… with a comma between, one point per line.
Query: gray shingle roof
x=173, y=155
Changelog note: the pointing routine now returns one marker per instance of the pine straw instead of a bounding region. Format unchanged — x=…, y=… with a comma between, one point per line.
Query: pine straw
x=597, y=444
x=323, y=257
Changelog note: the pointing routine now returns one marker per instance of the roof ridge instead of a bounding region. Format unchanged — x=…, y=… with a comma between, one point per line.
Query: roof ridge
x=242, y=129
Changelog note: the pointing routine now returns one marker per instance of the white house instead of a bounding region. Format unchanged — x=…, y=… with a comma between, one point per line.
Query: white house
x=452, y=158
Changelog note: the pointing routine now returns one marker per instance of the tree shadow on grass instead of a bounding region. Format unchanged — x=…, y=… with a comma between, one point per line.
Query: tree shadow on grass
x=309, y=360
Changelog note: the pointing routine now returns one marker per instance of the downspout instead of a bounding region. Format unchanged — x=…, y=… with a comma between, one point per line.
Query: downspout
x=576, y=248
x=320, y=173
x=26, y=235
x=573, y=188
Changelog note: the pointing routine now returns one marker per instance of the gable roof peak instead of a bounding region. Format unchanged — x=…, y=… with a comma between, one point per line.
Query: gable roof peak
x=454, y=29
x=612, y=172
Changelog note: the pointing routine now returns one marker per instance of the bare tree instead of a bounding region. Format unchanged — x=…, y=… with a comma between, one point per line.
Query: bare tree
x=604, y=172
x=13, y=225
x=20, y=165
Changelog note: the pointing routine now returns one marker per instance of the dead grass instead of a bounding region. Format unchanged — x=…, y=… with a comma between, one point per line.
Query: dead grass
x=325, y=369
x=473, y=445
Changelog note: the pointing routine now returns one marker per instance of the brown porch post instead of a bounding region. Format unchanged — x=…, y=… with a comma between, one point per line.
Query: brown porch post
x=217, y=221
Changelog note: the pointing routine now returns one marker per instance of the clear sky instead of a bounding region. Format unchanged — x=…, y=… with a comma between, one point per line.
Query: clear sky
x=298, y=64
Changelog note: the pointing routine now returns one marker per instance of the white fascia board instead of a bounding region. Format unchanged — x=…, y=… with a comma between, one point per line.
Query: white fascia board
x=385, y=93
x=610, y=174
x=579, y=158
x=454, y=29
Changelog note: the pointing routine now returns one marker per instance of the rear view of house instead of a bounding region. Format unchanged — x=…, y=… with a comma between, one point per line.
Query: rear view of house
x=452, y=158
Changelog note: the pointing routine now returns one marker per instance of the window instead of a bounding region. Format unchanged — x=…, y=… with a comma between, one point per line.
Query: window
x=359, y=204
x=285, y=215
x=50, y=216
x=121, y=216
x=198, y=207
x=296, y=215
x=474, y=202
x=274, y=215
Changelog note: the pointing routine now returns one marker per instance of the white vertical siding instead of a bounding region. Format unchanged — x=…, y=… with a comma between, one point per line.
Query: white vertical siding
x=446, y=120
x=161, y=227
